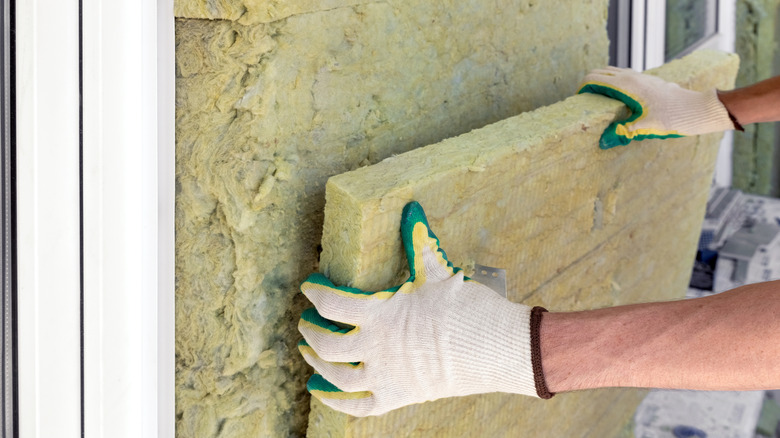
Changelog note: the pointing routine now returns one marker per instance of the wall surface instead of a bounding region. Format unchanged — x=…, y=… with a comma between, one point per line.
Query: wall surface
x=757, y=150
x=576, y=228
x=272, y=98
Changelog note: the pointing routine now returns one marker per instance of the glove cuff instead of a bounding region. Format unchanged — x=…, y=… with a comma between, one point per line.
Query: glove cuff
x=536, y=353
x=500, y=350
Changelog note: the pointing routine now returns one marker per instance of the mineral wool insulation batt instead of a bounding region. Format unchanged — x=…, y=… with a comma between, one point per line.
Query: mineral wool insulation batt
x=576, y=227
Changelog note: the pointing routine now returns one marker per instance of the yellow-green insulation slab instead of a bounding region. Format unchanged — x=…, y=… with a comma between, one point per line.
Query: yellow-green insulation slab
x=273, y=98
x=576, y=228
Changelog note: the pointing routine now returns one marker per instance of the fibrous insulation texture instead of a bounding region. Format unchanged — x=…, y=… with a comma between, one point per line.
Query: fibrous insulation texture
x=575, y=227
x=757, y=149
x=272, y=98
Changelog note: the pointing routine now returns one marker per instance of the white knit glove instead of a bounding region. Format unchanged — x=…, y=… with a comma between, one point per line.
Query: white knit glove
x=659, y=109
x=437, y=335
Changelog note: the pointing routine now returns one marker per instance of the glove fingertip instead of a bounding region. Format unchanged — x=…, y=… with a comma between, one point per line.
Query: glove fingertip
x=610, y=138
x=305, y=349
x=607, y=143
x=318, y=383
x=412, y=214
x=313, y=317
x=359, y=404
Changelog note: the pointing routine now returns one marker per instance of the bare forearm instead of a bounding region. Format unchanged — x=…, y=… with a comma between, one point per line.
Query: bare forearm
x=729, y=341
x=757, y=103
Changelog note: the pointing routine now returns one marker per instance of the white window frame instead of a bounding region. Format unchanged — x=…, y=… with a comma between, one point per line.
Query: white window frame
x=49, y=369
x=653, y=31
x=116, y=377
x=648, y=32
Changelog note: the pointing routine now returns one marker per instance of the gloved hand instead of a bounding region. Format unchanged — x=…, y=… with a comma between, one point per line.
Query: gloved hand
x=436, y=335
x=659, y=109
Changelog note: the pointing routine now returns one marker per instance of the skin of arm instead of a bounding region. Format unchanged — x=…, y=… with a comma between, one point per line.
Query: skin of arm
x=728, y=341
x=757, y=103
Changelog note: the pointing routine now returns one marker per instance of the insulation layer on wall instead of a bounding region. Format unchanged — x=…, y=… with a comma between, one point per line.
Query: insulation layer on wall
x=576, y=228
x=757, y=150
x=272, y=98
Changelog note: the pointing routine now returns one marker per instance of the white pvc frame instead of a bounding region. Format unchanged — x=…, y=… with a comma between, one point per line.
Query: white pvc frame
x=128, y=241
x=127, y=194
x=637, y=57
x=726, y=41
x=648, y=35
x=49, y=368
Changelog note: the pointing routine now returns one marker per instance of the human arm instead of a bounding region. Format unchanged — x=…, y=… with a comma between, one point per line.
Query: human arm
x=756, y=103
x=729, y=341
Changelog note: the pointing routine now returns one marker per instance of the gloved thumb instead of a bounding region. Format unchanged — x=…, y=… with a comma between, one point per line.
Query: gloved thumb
x=423, y=252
